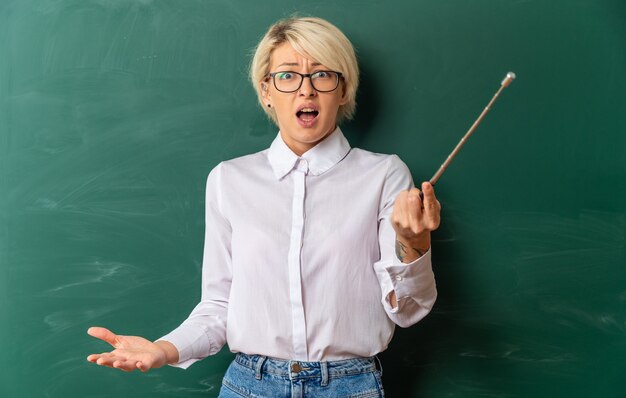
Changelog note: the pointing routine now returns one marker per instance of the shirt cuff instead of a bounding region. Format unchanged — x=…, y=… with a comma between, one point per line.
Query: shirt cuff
x=192, y=343
x=408, y=279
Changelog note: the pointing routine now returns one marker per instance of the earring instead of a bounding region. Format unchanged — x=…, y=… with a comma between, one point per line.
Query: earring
x=269, y=105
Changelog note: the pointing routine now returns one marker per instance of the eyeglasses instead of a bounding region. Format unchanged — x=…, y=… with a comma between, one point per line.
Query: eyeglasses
x=323, y=81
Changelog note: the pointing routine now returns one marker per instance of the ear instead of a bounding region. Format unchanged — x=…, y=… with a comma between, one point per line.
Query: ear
x=265, y=92
x=344, y=95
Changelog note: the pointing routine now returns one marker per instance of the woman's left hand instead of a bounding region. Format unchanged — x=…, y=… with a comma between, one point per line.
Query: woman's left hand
x=132, y=352
x=413, y=219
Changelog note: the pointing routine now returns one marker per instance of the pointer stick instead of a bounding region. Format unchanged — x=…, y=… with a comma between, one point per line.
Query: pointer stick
x=505, y=83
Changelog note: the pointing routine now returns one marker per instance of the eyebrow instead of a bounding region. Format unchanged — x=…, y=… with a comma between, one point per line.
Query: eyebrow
x=297, y=64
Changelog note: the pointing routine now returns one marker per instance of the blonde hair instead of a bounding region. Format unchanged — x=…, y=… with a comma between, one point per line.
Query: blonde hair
x=313, y=38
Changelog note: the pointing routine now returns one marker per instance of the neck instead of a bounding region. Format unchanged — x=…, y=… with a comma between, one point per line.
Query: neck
x=299, y=148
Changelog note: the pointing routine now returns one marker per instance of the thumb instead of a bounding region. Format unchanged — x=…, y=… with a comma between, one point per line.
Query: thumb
x=103, y=334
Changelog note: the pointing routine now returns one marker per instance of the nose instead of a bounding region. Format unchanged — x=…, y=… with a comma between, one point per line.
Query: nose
x=307, y=89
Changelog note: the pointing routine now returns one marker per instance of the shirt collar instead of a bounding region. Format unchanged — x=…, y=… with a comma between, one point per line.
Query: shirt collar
x=320, y=158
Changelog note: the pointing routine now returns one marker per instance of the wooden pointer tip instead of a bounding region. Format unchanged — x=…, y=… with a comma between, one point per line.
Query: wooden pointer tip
x=508, y=79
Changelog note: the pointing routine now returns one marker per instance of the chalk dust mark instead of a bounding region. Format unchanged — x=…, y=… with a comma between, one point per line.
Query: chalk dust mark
x=603, y=321
x=589, y=244
x=64, y=320
x=541, y=354
x=208, y=384
x=103, y=270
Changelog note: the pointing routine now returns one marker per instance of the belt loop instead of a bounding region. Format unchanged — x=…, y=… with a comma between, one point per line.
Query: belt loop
x=380, y=365
x=259, y=365
x=324, y=370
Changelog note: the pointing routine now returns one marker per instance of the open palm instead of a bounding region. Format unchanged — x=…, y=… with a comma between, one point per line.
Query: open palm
x=130, y=353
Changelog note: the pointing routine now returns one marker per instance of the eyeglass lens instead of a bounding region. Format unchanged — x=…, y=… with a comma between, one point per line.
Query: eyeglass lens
x=322, y=81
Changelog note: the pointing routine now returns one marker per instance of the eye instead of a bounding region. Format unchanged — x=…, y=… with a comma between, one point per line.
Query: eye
x=284, y=75
x=321, y=75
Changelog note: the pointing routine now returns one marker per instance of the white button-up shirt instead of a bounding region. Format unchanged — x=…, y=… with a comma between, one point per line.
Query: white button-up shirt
x=299, y=257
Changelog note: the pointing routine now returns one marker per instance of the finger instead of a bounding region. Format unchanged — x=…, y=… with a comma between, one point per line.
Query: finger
x=93, y=357
x=117, y=364
x=103, y=334
x=414, y=209
x=429, y=192
x=146, y=363
x=142, y=366
x=127, y=366
x=108, y=358
x=105, y=361
x=432, y=207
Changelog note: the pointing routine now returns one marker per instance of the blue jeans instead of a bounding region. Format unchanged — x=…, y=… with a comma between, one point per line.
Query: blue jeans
x=262, y=377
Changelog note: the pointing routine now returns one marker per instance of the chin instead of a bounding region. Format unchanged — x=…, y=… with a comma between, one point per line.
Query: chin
x=317, y=136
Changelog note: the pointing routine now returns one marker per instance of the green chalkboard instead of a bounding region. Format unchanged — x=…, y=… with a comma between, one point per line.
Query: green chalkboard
x=112, y=113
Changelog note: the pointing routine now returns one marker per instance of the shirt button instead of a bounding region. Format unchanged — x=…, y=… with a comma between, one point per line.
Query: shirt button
x=296, y=368
x=302, y=165
x=399, y=278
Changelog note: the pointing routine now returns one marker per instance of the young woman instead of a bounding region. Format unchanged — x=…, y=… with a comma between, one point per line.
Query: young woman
x=314, y=251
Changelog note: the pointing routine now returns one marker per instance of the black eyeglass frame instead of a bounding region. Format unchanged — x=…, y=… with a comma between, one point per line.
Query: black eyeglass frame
x=302, y=76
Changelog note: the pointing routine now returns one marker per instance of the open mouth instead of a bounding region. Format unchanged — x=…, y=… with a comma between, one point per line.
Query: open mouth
x=307, y=114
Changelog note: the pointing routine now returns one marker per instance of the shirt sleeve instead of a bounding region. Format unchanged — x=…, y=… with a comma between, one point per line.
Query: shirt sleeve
x=413, y=283
x=203, y=333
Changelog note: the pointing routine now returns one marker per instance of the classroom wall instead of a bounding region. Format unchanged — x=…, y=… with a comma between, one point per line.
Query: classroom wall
x=112, y=113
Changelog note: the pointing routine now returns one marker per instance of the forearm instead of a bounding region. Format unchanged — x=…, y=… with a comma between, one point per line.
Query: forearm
x=409, y=250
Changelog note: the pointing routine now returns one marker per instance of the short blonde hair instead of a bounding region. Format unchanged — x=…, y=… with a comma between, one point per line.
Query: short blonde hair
x=313, y=38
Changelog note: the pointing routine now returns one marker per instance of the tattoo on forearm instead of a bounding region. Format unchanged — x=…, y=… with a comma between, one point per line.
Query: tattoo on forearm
x=420, y=252
x=401, y=250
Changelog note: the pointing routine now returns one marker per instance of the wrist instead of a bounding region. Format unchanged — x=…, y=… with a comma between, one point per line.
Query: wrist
x=170, y=352
x=410, y=249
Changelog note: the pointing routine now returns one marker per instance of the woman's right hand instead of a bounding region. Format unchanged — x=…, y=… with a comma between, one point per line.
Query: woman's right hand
x=132, y=352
